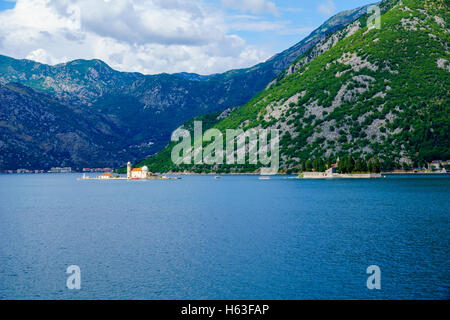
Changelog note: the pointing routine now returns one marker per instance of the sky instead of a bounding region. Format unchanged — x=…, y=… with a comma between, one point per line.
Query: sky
x=156, y=36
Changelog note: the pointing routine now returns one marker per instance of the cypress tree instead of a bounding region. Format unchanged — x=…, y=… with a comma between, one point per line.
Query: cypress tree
x=364, y=166
x=377, y=166
x=358, y=165
x=342, y=165
x=308, y=165
x=321, y=165
x=316, y=164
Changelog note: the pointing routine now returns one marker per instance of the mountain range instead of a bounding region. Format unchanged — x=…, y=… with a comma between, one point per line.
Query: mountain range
x=349, y=88
x=85, y=114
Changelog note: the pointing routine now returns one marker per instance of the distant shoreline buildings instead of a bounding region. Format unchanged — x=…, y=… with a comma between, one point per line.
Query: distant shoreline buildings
x=98, y=170
x=60, y=170
x=55, y=170
x=438, y=164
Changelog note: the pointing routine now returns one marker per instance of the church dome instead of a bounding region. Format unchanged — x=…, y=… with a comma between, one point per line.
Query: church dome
x=144, y=168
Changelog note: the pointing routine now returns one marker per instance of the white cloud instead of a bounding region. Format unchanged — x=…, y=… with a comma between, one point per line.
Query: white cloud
x=40, y=55
x=293, y=10
x=148, y=36
x=254, y=24
x=327, y=8
x=253, y=6
x=257, y=26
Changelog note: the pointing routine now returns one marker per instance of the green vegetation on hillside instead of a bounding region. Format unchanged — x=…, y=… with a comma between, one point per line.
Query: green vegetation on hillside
x=380, y=94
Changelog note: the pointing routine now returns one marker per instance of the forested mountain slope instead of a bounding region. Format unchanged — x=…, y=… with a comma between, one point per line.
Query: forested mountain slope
x=380, y=93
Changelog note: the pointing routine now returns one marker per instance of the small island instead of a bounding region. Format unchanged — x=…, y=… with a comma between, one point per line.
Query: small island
x=141, y=173
x=333, y=174
x=347, y=168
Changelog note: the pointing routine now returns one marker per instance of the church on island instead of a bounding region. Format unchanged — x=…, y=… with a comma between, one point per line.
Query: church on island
x=132, y=174
x=138, y=173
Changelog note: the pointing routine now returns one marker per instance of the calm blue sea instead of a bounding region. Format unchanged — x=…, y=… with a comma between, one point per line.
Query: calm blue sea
x=231, y=238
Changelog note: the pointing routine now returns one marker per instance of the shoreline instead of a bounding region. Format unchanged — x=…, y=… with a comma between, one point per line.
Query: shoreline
x=295, y=174
x=235, y=174
x=100, y=178
x=414, y=173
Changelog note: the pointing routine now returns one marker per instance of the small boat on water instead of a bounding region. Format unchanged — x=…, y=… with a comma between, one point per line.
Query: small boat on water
x=264, y=178
x=217, y=177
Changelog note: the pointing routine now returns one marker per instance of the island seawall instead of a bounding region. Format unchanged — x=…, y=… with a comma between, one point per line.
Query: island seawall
x=332, y=174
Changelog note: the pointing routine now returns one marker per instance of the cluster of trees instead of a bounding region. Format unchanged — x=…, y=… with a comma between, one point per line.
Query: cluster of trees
x=318, y=164
x=347, y=164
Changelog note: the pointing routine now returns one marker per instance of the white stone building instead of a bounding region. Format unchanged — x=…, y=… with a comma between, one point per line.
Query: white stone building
x=138, y=173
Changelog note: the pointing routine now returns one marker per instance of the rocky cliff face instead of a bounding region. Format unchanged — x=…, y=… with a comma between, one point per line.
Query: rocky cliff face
x=37, y=131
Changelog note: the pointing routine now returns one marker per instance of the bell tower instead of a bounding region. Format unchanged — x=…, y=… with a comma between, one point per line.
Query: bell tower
x=129, y=170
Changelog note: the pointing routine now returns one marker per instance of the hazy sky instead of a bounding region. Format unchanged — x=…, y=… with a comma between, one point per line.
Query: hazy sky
x=154, y=36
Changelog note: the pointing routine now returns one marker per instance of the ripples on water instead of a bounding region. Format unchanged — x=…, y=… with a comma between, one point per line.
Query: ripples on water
x=231, y=238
